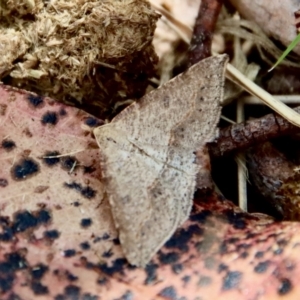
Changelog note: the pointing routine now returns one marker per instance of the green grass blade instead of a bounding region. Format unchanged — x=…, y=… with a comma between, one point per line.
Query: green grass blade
x=290, y=47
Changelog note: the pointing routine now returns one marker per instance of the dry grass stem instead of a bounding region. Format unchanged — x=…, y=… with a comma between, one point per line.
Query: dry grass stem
x=279, y=107
x=241, y=166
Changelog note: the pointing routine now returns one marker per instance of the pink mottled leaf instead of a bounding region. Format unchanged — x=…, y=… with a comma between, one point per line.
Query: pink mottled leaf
x=58, y=241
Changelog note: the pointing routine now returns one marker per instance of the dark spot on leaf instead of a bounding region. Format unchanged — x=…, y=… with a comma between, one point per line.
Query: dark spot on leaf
x=4, y=221
x=14, y=261
x=51, y=159
x=233, y=240
x=3, y=182
x=259, y=254
x=7, y=234
x=278, y=251
x=38, y=271
x=86, y=222
x=62, y=112
x=194, y=230
x=88, y=296
x=50, y=118
x=92, y=122
x=250, y=235
x=222, y=267
x=27, y=132
x=131, y=267
x=177, y=268
x=88, y=265
x=85, y=246
x=105, y=236
x=14, y=296
x=71, y=277
x=74, y=185
x=24, y=169
x=56, y=272
x=3, y=108
x=69, y=163
x=86, y=192
x=23, y=221
x=169, y=292
x=51, y=234
x=43, y=217
x=116, y=241
x=116, y=267
x=6, y=282
x=262, y=267
x=72, y=292
x=88, y=169
x=97, y=239
x=151, y=272
x=8, y=145
x=168, y=258
x=285, y=286
x=200, y=217
x=231, y=280
x=236, y=219
x=244, y=254
x=243, y=246
x=76, y=203
x=186, y=279
x=282, y=242
x=39, y=289
x=181, y=238
x=102, y=281
x=41, y=189
x=35, y=101
x=107, y=254
x=69, y=253
x=60, y=297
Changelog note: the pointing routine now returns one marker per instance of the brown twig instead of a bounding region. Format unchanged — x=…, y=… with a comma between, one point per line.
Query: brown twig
x=200, y=47
x=241, y=136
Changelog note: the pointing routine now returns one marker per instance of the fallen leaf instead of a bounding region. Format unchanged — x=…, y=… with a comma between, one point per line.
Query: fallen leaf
x=57, y=243
x=275, y=17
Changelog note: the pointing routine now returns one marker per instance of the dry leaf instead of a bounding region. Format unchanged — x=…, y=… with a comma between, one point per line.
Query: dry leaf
x=275, y=17
x=51, y=196
x=149, y=161
x=221, y=253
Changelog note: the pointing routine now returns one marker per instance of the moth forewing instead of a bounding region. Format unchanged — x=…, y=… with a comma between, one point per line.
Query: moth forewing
x=148, y=156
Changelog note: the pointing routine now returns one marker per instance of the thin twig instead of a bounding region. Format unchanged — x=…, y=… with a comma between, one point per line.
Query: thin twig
x=241, y=136
x=206, y=20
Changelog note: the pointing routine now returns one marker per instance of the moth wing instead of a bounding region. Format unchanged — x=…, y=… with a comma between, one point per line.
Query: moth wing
x=147, y=202
x=199, y=128
x=143, y=215
x=151, y=119
x=172, y=190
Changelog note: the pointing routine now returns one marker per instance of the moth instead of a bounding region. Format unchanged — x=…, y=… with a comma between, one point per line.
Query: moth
x=148, y=156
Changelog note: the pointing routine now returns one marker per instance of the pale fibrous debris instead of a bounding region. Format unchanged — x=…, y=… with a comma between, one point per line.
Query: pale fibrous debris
x=61, y=48
x=148, y=156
